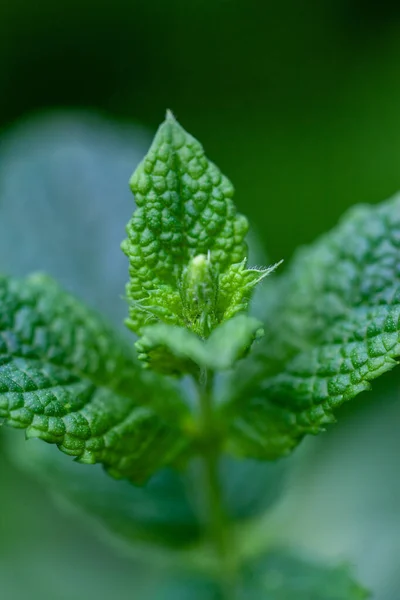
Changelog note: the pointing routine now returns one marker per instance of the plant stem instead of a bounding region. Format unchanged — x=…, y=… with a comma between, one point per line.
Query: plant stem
x=217, y=519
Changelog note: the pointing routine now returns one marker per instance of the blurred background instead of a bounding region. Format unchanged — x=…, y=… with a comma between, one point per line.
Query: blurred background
x=298, y=103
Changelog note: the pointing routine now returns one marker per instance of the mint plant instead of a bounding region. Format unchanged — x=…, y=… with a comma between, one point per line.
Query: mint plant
x=206, y=379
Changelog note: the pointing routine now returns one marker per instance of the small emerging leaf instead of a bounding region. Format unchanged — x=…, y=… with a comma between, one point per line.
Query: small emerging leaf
x=335, y=328
x=68, y=379
x=175, y=351
x=236, y=287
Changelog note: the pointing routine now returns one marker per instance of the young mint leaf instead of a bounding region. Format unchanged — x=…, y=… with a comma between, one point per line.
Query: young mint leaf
x=68, y=379
x=236, y=287
x=231, y=341
x=183, y=239
x=335, y=327
x=171, y=350
x=175, y=351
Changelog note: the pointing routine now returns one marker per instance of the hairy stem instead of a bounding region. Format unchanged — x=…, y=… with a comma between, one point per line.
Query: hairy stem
x=218, y=524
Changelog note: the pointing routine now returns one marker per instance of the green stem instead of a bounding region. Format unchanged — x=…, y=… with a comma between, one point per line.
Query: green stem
x=219, y=531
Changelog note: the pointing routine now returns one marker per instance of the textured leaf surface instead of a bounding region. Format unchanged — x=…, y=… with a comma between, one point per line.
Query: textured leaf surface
x=66, y=378
x=174, y=350
x=334, y=326
x=236, y=287
x=185, y=213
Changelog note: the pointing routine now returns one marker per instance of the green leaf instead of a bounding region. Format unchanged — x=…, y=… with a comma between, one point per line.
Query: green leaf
x=334, y=325
x=158, y=512
x=184, y=236
x=174, y=350
x=68, y=379
x=282, y=576
x=231, y=341
x=276, y=576
x=170, y=350
x=236, y=287
x=167, y=510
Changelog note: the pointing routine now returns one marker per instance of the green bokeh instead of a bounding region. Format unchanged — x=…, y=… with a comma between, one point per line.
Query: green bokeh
x=298, y=103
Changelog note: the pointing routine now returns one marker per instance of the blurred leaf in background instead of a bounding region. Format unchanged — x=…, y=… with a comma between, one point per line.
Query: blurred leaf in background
x=276, y=576
x=298, y=103
x=64, y=202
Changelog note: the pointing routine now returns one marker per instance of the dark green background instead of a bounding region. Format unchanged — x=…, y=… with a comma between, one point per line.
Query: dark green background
x=299, y=103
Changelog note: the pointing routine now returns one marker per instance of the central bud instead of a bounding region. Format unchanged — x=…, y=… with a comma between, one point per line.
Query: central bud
x=199, y=292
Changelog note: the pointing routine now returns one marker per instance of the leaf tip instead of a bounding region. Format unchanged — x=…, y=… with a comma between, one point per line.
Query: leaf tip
x=169, y=116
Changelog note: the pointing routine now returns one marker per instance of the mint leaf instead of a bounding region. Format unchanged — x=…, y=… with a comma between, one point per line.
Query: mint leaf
x=68, y=379
x=159, y=512
x=231, y=341
x=334, y=327
x=236, y=287
x=185, y=235
x=171, y=350
x=175, y=351
x=280, y=576
x=276, y=576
